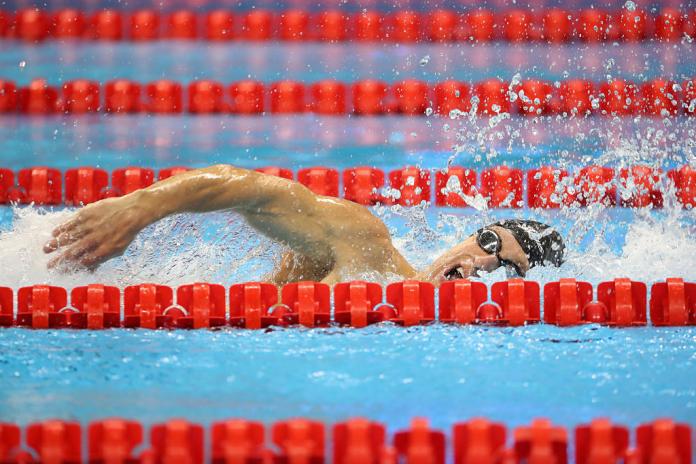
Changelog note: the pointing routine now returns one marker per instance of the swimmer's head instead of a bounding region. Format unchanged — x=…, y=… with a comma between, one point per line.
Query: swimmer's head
x=516, y=244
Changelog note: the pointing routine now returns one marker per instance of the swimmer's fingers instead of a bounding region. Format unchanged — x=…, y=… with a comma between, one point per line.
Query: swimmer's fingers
x=64, y=239
x=72, y=254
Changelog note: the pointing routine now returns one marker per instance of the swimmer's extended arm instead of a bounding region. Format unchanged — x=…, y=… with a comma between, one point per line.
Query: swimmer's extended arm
x=104, y=229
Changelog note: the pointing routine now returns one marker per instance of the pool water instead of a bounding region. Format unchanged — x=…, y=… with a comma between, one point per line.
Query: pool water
x=388, y=373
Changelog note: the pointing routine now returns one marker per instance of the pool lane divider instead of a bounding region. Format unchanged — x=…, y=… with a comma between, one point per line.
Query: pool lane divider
x=514, y=25
x=256, y=305
x=662, y=97
x=353, y=441
x=500, y=186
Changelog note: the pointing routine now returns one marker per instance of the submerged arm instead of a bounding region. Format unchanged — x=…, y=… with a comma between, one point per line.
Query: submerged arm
x=104, y=229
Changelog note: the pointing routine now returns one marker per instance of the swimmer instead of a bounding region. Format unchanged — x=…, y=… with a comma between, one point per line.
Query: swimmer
x=327, y=237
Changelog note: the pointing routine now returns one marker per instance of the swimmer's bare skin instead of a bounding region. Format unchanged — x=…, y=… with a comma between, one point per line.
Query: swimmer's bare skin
x=329, y=237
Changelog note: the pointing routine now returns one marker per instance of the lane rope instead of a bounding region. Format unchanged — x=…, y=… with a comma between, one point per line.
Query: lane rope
x=661, y=97
x=553, y=25
x=254, y=305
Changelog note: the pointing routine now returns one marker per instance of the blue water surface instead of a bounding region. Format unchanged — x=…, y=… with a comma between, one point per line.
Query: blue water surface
x=388, y=373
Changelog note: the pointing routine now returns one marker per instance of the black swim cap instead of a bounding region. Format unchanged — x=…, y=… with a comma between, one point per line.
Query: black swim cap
x=540, y=242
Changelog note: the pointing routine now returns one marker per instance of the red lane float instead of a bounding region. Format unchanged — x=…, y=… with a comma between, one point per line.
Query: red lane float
x=182, y=25
x=81, y=96
x=107, y=25
x=329, y=97
x=257, y=25
x=684, y=180
x=452, y=96
x=308, y=304
x=593, y=184
x=38, y=98
x=163, y=96
x=6, y=308
x=332, y=26
x=368, y=26
x=251, y=305
x=113, y=440
x=84, y=185
x=10, y=440
x=518, y=301
x=299, y=441
x=8, y=96
x=639, y=187
x=625, y=302
x=411, y=97
x=247, y=97
x=219, y=26
x=355, y=304
x=206, y=96
x=320, y=180
x=420, y=443
x=410, y=186
x=413, y=302
x=144, y=25
x=144, y=305
x=68, y=24
x=600, y=441
x=541, y=442
x=204, y=306
x=363, y=185
x=294, y=25
x=288, y=97
x=39, y=307
x=557, y=25
x=618, y=98
x=461, y=300
x=544, y=187
x=237, y=440
x=358, y=441
x=481, y=25
x=7, y=182
x=442, y=25
x=369, y=97
x=55, y=441
x=664, y=441
x=98, y=307
x=673, y=303
x=453, y=185
x=177, y=440
x=39, y=185
x=31, y=25
x=122, y=96
x=493, y=97
x=405, y=26
x=478, y=441
x=576, y=97
x=669, y=25
x=128, y=180
x=503, y=187
x=566, y=303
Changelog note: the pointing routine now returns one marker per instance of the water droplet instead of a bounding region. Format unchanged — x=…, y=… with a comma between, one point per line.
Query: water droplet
x=425, y=60
x=630, y=5
x=22, y=64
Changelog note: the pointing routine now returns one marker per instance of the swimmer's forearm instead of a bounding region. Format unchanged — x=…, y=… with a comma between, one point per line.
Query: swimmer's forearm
x=210, y=189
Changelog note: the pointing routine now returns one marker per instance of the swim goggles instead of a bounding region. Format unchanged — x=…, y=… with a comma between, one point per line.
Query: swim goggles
x=491, y=243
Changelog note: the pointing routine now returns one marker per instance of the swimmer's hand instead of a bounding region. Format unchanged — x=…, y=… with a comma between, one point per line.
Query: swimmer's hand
x=98, y=232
